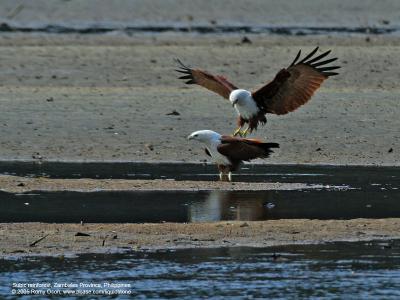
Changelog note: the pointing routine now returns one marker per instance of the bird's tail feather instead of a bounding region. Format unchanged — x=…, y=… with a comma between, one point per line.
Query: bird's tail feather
x=270, y=145
x=267, y=147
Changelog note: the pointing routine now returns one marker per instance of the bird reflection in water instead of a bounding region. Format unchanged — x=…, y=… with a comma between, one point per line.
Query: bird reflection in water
x=231, y=205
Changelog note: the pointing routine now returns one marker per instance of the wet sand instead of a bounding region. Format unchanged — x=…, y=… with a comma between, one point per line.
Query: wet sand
x=62, y=239
x=15, y=184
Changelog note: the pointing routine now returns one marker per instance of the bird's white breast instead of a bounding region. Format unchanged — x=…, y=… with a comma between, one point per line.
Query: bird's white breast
x=247, y=109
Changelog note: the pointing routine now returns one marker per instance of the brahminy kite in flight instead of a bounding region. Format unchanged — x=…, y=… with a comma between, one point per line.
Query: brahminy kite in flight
x=229, y=152
x=291, y=88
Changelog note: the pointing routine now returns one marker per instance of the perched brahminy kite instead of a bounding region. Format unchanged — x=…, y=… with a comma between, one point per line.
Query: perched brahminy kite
x=291, y=88
x=229, y=152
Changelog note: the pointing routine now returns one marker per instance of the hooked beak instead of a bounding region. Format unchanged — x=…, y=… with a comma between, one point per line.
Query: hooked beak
x=190, y=137
x=234, y=102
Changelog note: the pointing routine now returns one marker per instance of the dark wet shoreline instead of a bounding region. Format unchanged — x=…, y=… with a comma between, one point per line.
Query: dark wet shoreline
x=199, y=29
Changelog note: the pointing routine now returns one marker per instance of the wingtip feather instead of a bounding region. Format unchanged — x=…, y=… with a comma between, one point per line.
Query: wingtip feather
x=296, y=58
x=315, y=59
x=182, y=65
x=328, y=68
x=185, y=77
x=330, y=74
x=309, y=55
x=324, y=62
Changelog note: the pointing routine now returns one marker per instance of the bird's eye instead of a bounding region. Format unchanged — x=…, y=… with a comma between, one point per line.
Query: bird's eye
x=195, y=135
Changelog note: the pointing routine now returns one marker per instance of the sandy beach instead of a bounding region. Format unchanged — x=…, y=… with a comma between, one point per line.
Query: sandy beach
x=94, y=97
x=111, y=102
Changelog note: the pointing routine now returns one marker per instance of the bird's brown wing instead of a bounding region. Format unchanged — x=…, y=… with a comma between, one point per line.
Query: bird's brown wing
x=294, y=86
x=238, y=149
x=216, y=83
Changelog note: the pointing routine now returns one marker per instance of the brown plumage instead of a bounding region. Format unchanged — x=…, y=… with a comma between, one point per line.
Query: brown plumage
x=238, y=150
x=291, y=87
x=229, y=152
x=294, y=86
x=216, y=83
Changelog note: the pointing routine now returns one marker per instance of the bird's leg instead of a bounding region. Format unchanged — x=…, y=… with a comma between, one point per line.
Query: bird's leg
x=238, y=131
x=223, y=176
x=240, y=122
x=230, y=176
x=245, y=132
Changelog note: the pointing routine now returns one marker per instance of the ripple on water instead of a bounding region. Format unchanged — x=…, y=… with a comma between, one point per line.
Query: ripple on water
x=338, y=270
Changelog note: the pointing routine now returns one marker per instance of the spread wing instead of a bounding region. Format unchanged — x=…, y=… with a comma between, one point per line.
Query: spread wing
x=294, y=86
x=238, y=149
x=216, y=83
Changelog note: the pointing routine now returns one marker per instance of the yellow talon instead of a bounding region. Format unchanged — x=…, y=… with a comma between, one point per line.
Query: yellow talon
x=238, y=132
x=244, y=133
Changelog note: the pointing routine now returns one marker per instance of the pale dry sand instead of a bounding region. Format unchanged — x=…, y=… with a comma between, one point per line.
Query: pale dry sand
x=61, y=239
x=78, y=101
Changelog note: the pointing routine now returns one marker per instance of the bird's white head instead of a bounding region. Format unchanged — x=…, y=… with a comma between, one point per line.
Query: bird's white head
x=204, y=136
x=239, y=97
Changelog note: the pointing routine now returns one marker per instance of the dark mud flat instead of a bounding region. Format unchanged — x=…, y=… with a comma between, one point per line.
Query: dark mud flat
x=362, y=270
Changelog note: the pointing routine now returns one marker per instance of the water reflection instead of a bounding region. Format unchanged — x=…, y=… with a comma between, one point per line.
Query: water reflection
x=230, y=205
x=163, y=206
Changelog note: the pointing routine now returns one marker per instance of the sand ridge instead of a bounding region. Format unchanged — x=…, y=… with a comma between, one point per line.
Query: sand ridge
x=15, y=184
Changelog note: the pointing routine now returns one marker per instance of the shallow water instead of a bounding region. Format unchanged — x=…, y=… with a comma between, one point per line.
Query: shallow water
x=344, y=193
x=337, y=270
x=169, y=206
